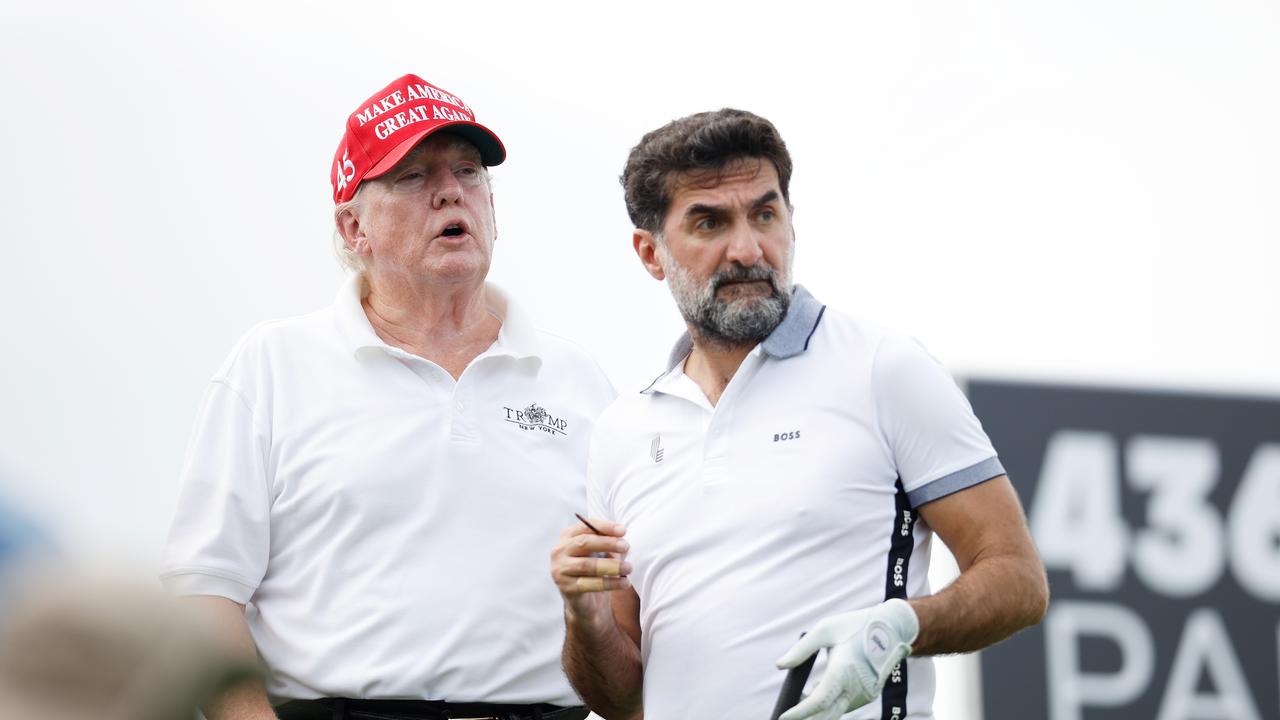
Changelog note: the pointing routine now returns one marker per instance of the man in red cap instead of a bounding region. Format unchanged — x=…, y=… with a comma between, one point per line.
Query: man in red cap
x=369, y=488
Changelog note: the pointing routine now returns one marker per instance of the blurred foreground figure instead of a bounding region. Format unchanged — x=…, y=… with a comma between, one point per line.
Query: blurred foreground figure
x=24, y=546
x=85, y=650
x=370, y=489
x=784, y=475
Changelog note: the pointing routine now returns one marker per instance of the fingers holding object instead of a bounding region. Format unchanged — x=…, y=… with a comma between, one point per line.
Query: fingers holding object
x=602, y=528
x=602, y=567
x=586, y=545
x=826, y=701
x=591, y=575
x=584, y=562
x=601, y=584
x=800, y=651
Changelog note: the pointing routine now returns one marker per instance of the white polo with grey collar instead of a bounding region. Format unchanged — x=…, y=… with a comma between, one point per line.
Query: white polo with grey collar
x=790, y=500
x=387, y=526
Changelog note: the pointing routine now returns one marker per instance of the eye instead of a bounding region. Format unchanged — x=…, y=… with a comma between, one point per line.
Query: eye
x=410, y=176
x=707, y=224
x=469, y=173
x=766, y=215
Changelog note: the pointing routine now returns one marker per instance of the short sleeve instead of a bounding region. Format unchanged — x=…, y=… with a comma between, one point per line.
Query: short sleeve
x=597, y=478
x=219, y=542
x=937, y=443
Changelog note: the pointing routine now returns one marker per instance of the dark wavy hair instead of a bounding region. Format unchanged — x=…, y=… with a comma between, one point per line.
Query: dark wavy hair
x=701, y=144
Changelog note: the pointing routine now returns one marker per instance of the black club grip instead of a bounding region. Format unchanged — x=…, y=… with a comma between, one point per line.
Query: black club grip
x=793, y=686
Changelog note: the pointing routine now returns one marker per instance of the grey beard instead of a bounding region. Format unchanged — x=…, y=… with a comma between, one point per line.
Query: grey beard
x=729, y=324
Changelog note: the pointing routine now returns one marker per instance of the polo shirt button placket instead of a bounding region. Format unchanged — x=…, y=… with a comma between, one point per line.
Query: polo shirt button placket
x=459, y=429
x=715, y=458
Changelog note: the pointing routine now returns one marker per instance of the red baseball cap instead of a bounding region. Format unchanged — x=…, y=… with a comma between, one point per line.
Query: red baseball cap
x=394, y=120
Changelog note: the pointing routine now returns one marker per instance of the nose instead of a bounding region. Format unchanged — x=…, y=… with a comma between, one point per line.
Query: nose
x=744, y=246
x=447, y=188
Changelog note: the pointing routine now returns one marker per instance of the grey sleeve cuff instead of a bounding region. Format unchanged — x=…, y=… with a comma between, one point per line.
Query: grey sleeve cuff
x=956, y=481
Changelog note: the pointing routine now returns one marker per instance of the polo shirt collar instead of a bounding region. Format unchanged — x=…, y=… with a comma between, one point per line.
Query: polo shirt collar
x=789, y=339
x=516, y=338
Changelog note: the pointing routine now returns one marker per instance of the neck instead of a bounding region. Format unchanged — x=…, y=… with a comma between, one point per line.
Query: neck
x=712, y=365
x=448, y=325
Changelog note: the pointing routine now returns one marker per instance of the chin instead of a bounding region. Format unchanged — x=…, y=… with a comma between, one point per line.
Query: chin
x=458, y=270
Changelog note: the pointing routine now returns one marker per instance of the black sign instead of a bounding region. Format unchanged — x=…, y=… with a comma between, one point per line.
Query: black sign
x=1158, y=518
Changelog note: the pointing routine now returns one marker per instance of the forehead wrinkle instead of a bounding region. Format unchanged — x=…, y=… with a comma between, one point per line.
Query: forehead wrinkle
x=747, y=168
x=701, y=208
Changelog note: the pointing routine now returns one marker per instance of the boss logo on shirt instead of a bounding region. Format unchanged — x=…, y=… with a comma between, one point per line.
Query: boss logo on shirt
x=535, y=417
x=783, y=437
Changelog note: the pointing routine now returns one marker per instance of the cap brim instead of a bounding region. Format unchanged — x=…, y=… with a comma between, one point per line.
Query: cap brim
x=491, y=149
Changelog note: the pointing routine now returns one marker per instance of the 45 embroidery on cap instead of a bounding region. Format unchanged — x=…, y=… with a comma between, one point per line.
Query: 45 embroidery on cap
x=346, y=171
x=535, y=417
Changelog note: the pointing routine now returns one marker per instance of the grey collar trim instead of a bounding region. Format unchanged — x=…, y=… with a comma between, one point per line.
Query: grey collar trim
x=791, y=337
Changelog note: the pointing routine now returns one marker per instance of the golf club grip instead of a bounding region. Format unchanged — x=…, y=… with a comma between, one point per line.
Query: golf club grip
x=793, y=686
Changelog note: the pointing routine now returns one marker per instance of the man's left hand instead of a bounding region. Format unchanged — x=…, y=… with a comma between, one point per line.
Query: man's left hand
x=863, y=648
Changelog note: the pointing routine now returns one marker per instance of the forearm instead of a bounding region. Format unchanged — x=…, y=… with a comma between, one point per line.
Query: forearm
x=603, y=665
x=246, y=700
x=991, y=600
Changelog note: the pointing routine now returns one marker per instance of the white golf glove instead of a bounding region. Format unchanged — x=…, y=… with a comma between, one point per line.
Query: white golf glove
x=863, y=648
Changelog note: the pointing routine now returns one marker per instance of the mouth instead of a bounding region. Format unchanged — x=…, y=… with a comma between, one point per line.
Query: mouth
x=453, y=230
x=743, y=287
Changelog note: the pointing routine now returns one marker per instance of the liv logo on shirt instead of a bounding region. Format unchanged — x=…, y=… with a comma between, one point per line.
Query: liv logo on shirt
x=535, y=417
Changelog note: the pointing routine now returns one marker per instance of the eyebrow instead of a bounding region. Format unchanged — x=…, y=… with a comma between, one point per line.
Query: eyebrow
x=703, y=209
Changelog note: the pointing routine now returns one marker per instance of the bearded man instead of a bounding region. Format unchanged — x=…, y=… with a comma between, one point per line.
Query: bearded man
x=784, y=475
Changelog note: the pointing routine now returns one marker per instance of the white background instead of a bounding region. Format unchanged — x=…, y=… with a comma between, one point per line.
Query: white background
x=1083, y=191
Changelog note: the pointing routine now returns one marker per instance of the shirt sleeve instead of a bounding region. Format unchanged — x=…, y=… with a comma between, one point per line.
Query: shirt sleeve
x=603, y=464
x=937, y=443
x=596, y=477
x=219, y=541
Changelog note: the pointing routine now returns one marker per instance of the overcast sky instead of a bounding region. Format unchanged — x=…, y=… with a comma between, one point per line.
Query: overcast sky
x=1080, y=191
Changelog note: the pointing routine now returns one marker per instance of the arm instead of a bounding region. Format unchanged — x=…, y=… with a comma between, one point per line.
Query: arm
x=1002, y=587
x=246, y=700
x=602, y=620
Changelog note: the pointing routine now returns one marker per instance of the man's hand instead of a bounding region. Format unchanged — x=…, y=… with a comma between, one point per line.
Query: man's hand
x=863, y=648
x=587, y=567
x=601, y=654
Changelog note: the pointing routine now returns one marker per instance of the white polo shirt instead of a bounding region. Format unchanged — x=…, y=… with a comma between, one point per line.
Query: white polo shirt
x=389, y=527
x=790, y=500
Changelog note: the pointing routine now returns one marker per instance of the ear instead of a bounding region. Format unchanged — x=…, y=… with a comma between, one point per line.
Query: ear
x=493, y=212
x=352, y=234
x=646, y=246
